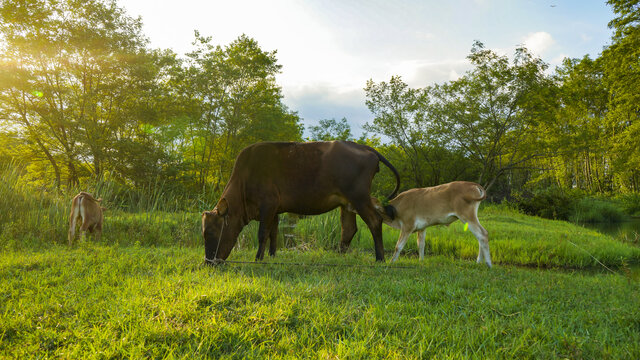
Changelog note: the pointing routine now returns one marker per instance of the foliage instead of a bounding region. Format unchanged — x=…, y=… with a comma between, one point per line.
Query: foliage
x=488, y=116
x=400, y=115
x=622, y=75
x=78, y=95
x=331, y=129
x=551, y=203
x=630, y=204
x=597, y=210
x=76, y=103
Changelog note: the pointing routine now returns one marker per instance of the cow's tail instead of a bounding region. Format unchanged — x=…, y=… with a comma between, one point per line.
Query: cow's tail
x=395, y=172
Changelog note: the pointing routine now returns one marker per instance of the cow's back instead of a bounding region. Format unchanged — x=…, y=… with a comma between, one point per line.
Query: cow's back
x=306, y=177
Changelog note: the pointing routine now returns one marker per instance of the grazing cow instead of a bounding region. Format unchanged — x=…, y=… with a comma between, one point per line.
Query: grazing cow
x=270, y=178
x=86, y=208
x=416, y=209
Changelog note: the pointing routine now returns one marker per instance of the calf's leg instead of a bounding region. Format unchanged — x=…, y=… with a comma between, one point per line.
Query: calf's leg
x=422, y=234
x=483, y=242
x=402, y=240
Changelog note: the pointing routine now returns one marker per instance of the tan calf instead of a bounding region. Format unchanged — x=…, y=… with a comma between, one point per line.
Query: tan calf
x=88, y=210
x=417, y=209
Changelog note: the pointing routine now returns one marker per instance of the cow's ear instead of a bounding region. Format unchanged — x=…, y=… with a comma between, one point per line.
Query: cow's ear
x=223, y=207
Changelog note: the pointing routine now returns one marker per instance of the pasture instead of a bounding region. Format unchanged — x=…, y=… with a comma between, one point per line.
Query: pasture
x=143, y=291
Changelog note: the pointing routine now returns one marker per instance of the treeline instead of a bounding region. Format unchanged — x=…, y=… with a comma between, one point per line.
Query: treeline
x=83, y=98
x=515, y=126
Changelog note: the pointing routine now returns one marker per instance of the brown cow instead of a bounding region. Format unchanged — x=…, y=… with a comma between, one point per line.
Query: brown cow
x=416, y=209
x=86, y=208
x=270, y=178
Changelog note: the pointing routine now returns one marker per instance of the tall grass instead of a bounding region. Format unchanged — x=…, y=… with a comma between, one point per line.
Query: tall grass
x=148, y=216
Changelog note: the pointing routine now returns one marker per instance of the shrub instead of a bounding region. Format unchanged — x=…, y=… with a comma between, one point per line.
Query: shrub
x=593, y=210
x=550, y=203
x=630, y=204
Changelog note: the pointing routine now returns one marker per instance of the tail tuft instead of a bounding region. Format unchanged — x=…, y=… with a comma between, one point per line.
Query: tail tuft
x=391, y=211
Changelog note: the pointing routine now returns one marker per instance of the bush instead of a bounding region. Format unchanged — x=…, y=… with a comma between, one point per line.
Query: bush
x=551, y=203
x=597, y=210
x=630, y=204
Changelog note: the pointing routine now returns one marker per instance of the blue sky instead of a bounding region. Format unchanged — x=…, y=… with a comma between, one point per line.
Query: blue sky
x=330, y=48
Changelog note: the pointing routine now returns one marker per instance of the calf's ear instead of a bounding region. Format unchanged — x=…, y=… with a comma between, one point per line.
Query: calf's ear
x=222, y=208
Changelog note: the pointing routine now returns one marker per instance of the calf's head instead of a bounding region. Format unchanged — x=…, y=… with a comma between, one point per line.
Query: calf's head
x=220, y=231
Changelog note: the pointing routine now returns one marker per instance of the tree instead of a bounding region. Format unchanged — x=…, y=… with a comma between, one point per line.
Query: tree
x=330, y=129
x=621, y=61
x=579, y=135
x=489, y=118
x=493, y=112
x=401, y=114
x=231, y=100
x=77, y=79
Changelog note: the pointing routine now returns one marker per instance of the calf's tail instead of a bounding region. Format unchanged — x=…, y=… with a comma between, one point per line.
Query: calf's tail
x=391, y=211
x=480, y=195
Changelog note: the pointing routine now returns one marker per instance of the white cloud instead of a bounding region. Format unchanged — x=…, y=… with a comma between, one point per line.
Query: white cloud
x=585, y=37
x=539, y=42
x=317, y=101
x=556, y=61
x=421, y=73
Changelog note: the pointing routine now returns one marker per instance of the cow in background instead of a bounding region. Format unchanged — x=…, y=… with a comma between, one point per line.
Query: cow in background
x=86, y=209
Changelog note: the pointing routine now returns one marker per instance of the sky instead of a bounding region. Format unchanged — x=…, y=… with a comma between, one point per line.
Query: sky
x=328, y=49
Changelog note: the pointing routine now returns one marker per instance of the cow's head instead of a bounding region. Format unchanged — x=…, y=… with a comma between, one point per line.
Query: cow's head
x=220, y=231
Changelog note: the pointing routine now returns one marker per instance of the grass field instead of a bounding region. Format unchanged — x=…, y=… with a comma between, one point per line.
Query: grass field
x=97, y=301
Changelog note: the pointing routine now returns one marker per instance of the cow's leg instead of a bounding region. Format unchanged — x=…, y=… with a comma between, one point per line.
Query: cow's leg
x=349, y=228
x=267, y=216
x=368, y=213
x=273, y=236
x=422, y=234
x=402, y=240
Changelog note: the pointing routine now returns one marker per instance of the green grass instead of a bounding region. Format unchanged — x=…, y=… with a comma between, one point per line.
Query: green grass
x=97, y=301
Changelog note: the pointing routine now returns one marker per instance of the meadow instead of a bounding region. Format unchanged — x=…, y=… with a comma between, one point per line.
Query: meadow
x=556, y=290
